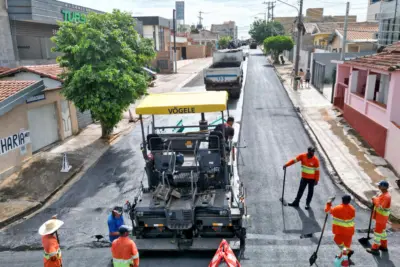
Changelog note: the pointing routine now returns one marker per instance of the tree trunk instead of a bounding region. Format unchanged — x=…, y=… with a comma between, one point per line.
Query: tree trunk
x=105, y=131
x=276, y=58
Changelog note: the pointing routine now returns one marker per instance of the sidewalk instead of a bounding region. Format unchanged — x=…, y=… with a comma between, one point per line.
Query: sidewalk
x=351, y=159
x=40, y=178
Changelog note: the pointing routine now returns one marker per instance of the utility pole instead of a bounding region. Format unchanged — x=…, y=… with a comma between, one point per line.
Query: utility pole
x=174, y=28
x=345, y=31
x=200, y=17
x=273, y=6
x=299, y=33
x=270, y=6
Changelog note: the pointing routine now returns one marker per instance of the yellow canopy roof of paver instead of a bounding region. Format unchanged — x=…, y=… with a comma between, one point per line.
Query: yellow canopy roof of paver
x=183, y=103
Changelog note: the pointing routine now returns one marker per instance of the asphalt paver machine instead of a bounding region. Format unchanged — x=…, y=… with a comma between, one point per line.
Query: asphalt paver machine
x=191, y=199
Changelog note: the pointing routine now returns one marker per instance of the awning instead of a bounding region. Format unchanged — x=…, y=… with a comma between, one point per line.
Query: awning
x=183, y=103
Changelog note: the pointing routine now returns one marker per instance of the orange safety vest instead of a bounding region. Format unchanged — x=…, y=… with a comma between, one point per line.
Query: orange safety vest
x=52, y=253
x=309, y=167
x=343, y=218
x=124, y=252
x=224, y=253
x=382, y=207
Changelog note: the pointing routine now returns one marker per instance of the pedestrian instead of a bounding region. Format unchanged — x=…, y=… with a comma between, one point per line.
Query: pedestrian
x=381, y=217
x=292, y=76
x=228, y=127
x=51, y=246
x=301, y=76
x=309, y=175
x=343, y=223
x=115, y=220
x=124, y=250
x=307, y=77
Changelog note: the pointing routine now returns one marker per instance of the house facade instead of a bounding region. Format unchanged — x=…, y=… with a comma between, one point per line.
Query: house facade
x=34, y=113
x=367, y=91
x=359, y=39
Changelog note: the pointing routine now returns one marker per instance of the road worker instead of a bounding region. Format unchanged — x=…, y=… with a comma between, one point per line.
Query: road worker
x=381, y=217
x=115, y=220
x=228, y=126
x=343, y=223
x=124, y=251
x=51, y=247
x=309, y=175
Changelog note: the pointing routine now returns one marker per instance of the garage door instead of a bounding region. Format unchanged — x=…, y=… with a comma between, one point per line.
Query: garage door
x=43, y=126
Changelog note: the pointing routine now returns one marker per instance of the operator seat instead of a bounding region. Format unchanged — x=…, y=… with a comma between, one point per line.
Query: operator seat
x=216, y=141
x=154, y=142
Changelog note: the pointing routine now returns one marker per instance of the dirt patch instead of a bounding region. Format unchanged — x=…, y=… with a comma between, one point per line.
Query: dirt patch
x=337, y=129
x=41, y=177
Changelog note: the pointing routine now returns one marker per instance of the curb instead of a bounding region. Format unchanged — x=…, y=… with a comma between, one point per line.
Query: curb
x=41, y=203
x=327, y=161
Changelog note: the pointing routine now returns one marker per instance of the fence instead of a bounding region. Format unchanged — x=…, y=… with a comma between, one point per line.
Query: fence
x=318, y=75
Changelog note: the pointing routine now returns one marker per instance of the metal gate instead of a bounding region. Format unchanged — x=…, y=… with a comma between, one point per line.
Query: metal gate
x=318, y=75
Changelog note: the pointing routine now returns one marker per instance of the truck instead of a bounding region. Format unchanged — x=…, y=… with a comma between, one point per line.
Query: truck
x=189, y=198
x=226, y=72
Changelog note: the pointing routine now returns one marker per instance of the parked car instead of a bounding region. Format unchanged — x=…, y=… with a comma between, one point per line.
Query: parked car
x=253, y=45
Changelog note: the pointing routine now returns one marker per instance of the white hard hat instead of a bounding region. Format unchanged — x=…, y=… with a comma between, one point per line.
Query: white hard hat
x=50, y=226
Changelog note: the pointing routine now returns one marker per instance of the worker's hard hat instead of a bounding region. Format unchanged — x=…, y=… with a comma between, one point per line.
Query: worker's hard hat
x=383, y=184
x=118, y=210
x=50, y=226
x=123, y=229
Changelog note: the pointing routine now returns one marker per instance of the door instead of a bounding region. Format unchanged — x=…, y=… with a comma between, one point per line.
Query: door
x=183, y=52
x=43, y=126
x=66, y=118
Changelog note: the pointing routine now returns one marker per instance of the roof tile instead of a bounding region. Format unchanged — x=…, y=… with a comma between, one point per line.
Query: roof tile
x=50, y=71
x=388, y=60
x=9, y=88
x=362, y=33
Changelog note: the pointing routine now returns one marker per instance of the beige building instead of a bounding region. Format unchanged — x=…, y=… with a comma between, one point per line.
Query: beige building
x=34, y=115
x=228, y=28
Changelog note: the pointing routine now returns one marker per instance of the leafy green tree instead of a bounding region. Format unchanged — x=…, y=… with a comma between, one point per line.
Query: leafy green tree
x=277, y=44
x=224, y=41
x=103, y=60
x=193, y=29
x=260, y=30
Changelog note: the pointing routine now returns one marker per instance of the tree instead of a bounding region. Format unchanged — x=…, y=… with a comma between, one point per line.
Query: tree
x=103, y=60
x=193, y=29
x=224, y=41
x=260, y=30
x=277, y=44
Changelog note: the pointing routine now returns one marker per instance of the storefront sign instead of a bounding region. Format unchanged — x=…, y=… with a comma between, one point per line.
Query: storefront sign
x=14, y=141
x=36, y=98
x=73, y=16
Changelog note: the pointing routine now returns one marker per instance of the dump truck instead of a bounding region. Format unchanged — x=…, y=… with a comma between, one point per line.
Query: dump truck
x=226, y=72
x=190, y=198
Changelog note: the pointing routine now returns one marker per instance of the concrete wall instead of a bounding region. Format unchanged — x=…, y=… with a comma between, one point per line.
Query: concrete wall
x=326, y=58
x=7, y=55
x=196, y=51
x=373, y=10
x=17, y=119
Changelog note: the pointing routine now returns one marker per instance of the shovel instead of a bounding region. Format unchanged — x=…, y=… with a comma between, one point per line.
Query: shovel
x=365, y=240
x=283, y=189
x=314, y=256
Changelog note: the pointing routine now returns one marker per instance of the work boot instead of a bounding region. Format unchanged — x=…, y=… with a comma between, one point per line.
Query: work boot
x=294, y=204
x=308, y=206
x=373, y=251
x=383, y=249
x=351, y=252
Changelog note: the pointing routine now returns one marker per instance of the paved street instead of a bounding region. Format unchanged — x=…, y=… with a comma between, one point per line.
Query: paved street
x=273, y=134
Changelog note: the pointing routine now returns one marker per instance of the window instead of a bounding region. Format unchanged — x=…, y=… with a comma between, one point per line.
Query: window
x=382, y=94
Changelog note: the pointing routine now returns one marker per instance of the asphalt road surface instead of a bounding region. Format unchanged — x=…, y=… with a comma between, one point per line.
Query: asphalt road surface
x=272, y=133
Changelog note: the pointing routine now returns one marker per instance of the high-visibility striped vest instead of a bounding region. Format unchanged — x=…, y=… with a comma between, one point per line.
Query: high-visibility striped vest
x=342, y=218
x=382, y=207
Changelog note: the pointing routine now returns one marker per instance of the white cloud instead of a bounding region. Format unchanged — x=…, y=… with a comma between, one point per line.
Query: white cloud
x=218, y=11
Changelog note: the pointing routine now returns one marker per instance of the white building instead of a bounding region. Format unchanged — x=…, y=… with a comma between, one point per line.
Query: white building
x=228, y=28
x=374, y=7
x=389, y=22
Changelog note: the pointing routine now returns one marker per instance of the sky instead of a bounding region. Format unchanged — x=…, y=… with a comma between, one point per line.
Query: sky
x=217, y=11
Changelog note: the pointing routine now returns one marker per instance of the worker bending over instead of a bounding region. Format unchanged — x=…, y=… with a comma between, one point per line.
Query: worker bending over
x=309, y=175
x=342, y=223
x=228, y=127
x=124, y=251
x=51, y=247
x=114, y=221
x=381, y=217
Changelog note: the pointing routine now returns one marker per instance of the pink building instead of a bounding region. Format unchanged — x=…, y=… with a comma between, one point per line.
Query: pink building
x=367, y=90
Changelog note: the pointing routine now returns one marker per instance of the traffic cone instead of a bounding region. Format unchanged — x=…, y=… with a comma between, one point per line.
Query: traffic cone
x=65, y=165
x=131, y=116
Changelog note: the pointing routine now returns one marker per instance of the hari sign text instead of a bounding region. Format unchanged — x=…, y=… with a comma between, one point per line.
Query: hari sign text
x=12, y=142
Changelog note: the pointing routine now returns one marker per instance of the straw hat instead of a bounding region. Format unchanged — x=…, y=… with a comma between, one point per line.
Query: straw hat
x=50, y=226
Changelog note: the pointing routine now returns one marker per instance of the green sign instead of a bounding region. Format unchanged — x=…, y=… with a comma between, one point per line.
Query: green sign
x=73, y=16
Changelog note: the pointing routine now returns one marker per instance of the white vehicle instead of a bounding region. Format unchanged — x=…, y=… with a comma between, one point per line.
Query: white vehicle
x=226, y=72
